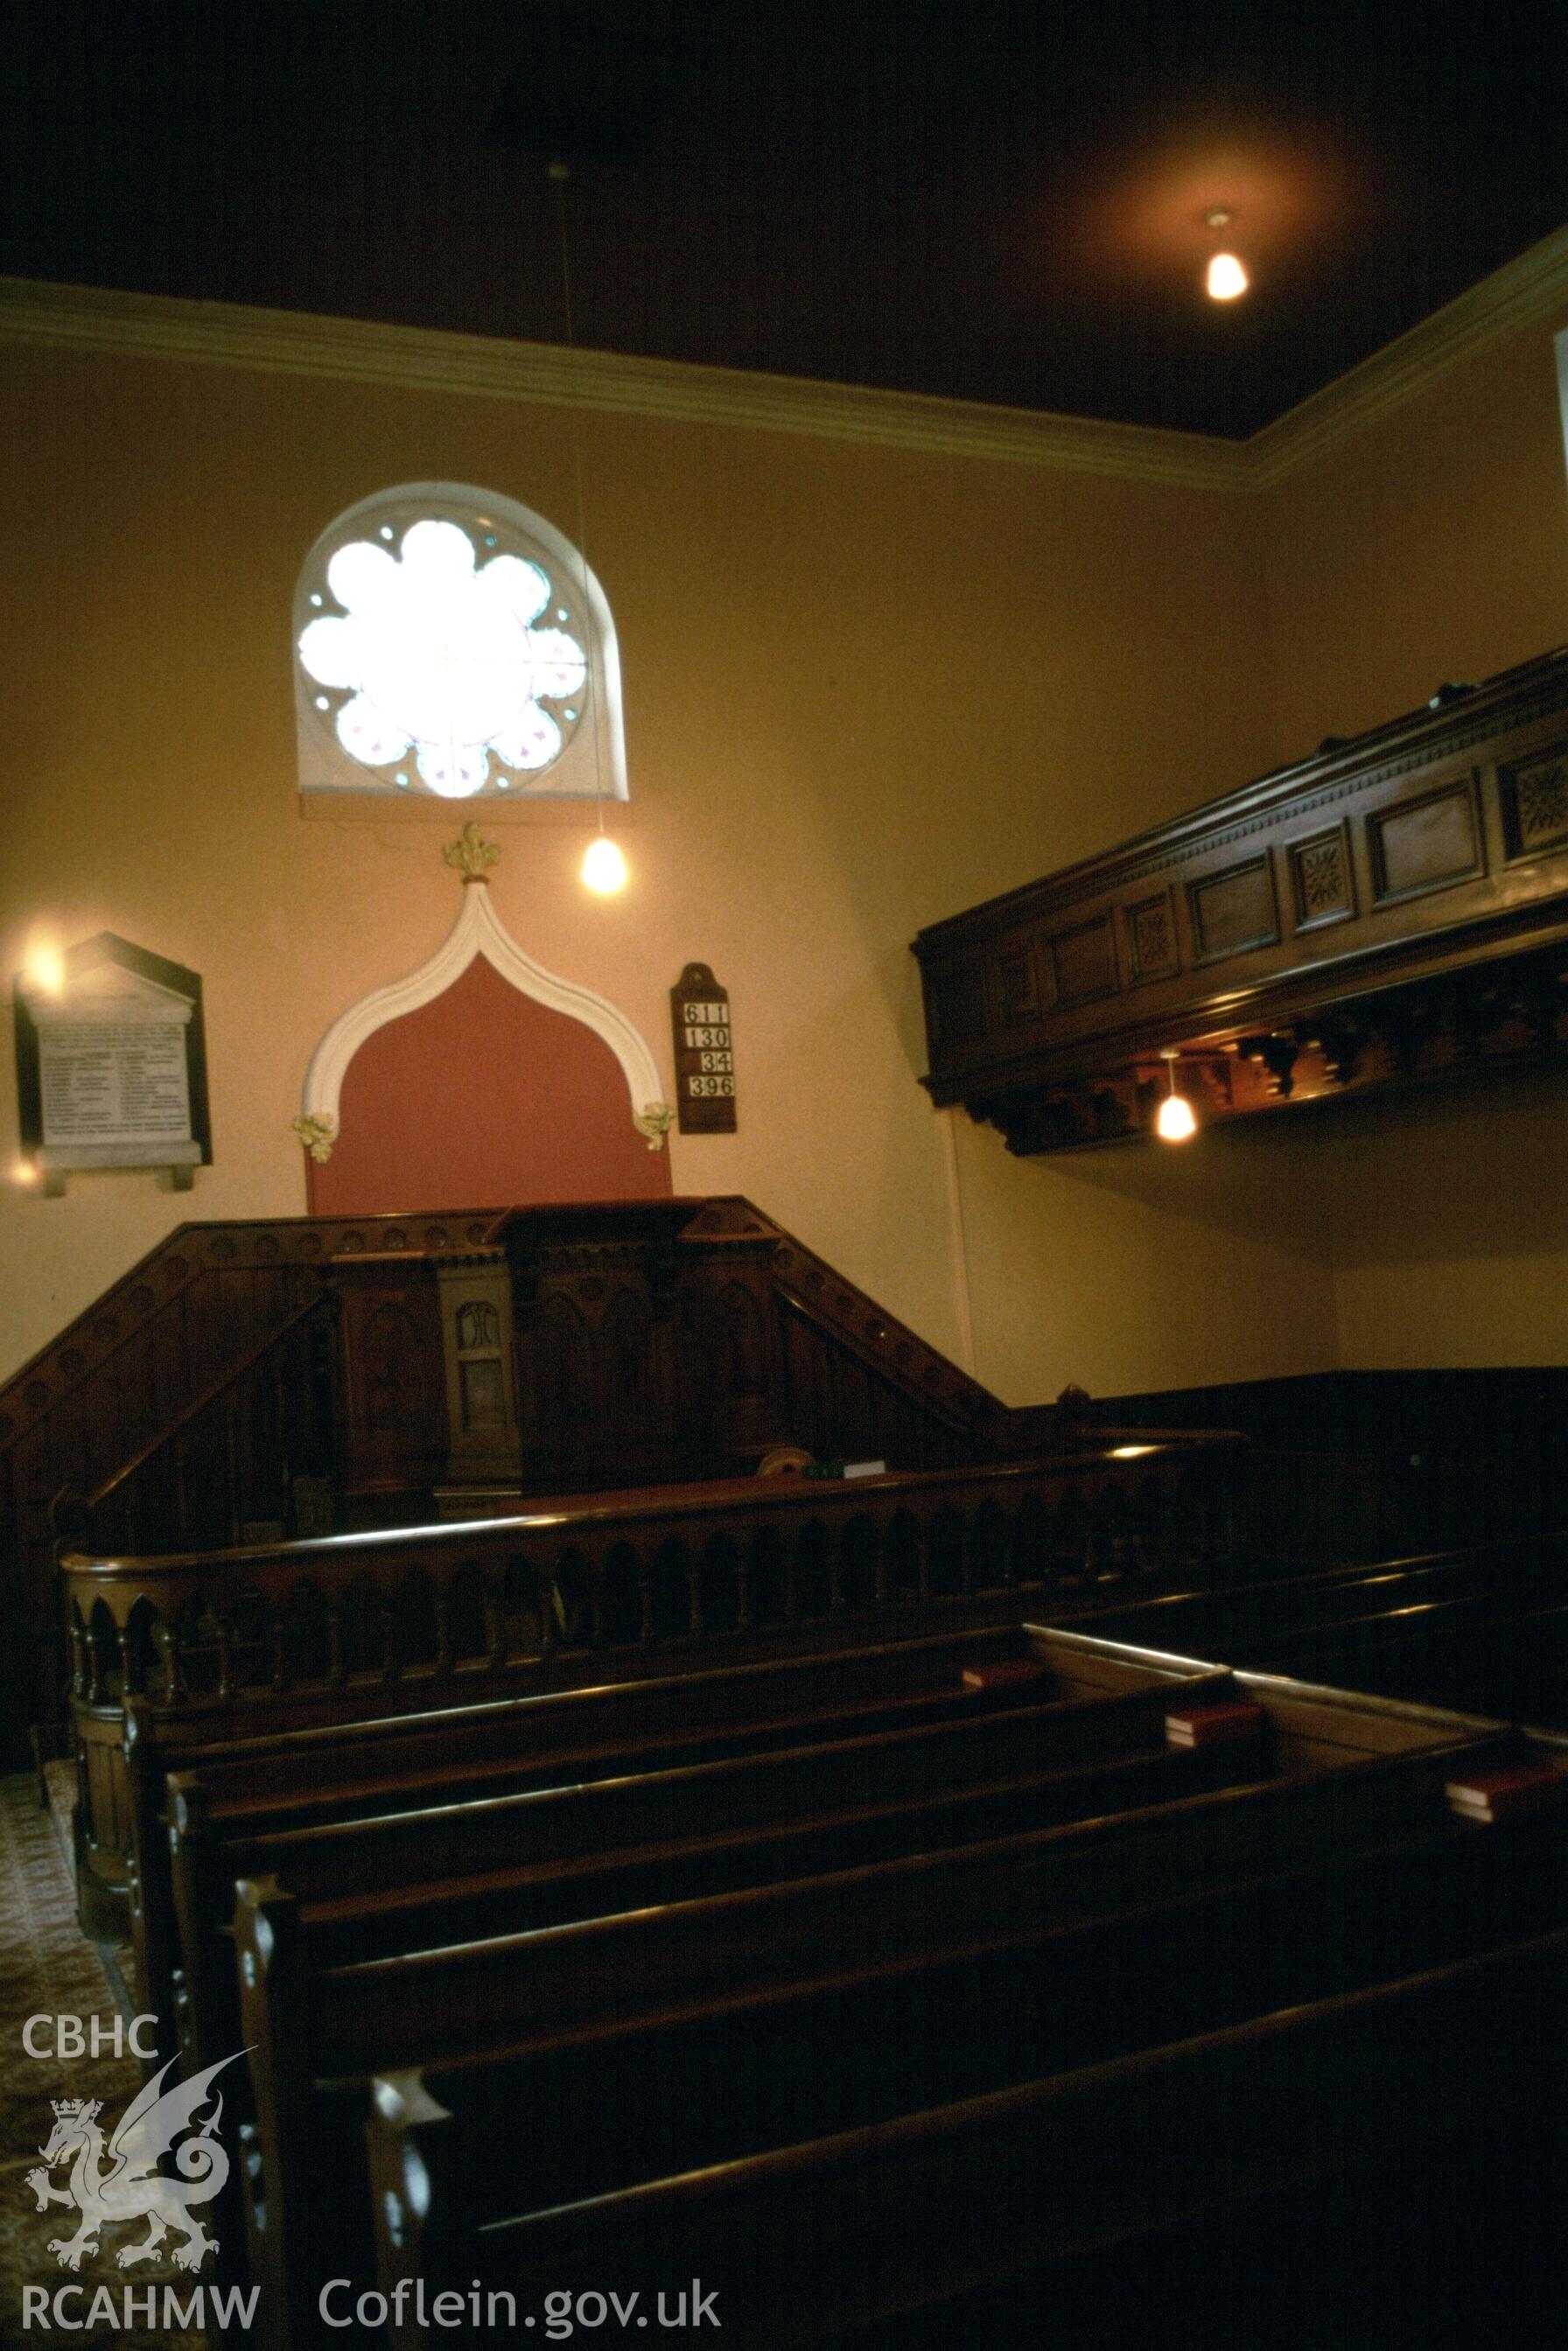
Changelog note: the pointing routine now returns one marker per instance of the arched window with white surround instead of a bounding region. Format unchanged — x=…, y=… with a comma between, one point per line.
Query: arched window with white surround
x=449, y=643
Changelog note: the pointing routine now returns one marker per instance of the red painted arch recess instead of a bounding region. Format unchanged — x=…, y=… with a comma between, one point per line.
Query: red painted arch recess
x=484, y=1095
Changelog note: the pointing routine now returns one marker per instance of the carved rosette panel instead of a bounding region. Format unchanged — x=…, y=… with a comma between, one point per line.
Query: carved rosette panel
x=1535, y=803
x=1015, y=985
x=1150, y=931
x=1321, y=880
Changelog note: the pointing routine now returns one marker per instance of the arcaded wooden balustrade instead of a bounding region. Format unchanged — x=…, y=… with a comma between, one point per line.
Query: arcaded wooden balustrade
x=261, y=1383
x=427, y=1613
x=1392, y=909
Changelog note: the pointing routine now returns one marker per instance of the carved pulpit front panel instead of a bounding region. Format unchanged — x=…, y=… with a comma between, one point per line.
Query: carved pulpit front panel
x=732, y=1393
x=475, y=1293
x=393, y=1419
x=593, y=1303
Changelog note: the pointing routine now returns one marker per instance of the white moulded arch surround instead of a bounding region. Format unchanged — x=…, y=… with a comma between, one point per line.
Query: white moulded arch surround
x=477, y=931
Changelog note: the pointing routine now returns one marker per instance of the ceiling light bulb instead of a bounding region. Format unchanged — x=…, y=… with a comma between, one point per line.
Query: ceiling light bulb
x=1225, y=278
x=1175, y=1123
x=605, y=868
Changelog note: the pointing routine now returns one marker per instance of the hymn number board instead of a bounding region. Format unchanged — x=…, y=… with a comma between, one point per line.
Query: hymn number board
x=705, y=1053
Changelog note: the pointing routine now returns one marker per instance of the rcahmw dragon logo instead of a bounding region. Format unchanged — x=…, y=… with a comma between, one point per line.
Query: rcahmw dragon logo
x=131, y=2186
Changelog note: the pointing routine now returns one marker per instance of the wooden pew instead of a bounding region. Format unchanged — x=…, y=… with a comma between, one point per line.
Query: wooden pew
x=1485, y=1630
x=455, y=1754
x=597, y=1966
x=319, y=2039
x=983, y=1975
x=523, y=1841
x=1491, y=1658
x=1283, y=1624
x=1226, y=2138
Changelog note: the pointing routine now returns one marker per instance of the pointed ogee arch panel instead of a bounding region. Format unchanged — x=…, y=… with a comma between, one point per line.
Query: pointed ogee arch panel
x=477, y=931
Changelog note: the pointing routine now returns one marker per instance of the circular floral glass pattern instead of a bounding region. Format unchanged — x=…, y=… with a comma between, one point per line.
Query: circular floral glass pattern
x=443, y=662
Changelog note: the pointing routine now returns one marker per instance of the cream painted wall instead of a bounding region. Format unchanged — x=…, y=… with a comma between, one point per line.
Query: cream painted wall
x=864, y=687
x=1433, y=545
x=1448, y=1218
x=1125, y=1270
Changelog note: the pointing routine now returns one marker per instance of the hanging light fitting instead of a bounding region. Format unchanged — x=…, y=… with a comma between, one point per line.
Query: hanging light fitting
x=1226, y=277
x=603, y=868
x=1175, y=1121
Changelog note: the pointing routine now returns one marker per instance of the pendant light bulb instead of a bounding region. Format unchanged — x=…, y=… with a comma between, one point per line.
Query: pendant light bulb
x=1225, y=279
x=1175, y=1122
x=603, y=868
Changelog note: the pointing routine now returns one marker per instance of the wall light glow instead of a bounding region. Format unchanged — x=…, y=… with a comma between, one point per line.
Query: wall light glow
x=1225, y=279
x=24, y=1170
x=45, y=969
x=605, y=868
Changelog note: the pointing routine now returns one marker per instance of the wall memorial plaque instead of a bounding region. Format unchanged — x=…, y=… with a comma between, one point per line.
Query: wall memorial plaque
x=705, y=1053
x=112, y=1064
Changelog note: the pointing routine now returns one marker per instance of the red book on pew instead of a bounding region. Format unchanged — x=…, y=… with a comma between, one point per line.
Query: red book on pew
x=1003, y=1672
x=1205, y=1725
x=1497, y=1795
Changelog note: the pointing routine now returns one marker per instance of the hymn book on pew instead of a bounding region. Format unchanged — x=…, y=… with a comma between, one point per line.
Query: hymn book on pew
x=1003, y=1672
x=1497, y=1795
x=1207, y=1726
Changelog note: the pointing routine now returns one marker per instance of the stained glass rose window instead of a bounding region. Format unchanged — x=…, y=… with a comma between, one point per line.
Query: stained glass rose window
x=450, y=642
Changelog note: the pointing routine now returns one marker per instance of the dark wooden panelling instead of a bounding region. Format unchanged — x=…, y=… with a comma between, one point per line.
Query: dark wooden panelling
x=121, y=1382
x=1084, y=962
x=1233, y=911
x=1305, y=899
x=1426, y=843
x=1367, y=1464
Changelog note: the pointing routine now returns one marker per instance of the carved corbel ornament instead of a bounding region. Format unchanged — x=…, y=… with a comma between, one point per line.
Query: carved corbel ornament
x=1474, y=1014
x=317, y=1133
x=1112, y=1119
x=655, y=1121
x=1342, y=1044
x=1406, y=1027
x=470, y=856
x=1277, y=1056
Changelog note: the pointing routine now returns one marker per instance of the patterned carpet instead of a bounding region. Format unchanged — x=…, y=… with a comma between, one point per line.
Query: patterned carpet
x=48, y=1968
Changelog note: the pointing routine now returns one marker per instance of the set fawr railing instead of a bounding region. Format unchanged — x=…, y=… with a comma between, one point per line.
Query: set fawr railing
x=443, y=1604
x=257, y=1382
x=251, y=1642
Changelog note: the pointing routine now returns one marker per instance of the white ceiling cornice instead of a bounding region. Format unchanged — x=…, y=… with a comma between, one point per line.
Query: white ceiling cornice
x=1524, y=293
x=351, y=350
x=219, y=334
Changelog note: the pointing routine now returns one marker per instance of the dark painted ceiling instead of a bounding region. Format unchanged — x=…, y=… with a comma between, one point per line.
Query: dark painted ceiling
x=985, y=198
